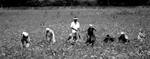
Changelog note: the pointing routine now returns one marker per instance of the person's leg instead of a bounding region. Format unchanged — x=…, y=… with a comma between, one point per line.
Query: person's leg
x=27, y=43
x=75, y=36
x=70, y=36
x=79, y=37
x=92, y=42
x=88, y=40
x=23, y=42
x=93, y=39
x=120, y=40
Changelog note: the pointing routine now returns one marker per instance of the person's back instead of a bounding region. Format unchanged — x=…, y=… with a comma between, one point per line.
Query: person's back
x=50, y=36
x=122, y=38
x=108, y=38
x=25, y=38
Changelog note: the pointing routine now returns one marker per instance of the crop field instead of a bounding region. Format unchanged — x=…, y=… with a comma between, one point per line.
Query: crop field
x=106, y=21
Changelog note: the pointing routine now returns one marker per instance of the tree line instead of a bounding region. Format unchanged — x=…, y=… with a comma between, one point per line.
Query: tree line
x=34, y=3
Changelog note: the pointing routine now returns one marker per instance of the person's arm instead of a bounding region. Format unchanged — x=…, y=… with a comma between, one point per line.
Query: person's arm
x=94, y=29
x=78, y=26
x=54, y=40
x=126, y=37
x=53, y=36
x=29, y=39
x=74, y=29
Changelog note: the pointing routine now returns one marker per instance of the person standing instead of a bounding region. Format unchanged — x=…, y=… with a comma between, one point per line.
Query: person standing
x=75, y=25
x=90, y=35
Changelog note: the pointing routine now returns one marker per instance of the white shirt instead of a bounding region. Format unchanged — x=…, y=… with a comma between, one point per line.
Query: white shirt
x=75, y=26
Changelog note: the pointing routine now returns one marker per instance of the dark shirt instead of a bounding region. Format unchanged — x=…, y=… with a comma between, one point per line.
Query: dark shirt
x=49, y=34
x=25, y=38
x=122, y=37
x=108, y=38
x=91, y=31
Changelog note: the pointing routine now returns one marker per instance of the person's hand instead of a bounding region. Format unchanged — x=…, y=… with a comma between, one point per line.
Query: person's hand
x=74, y=29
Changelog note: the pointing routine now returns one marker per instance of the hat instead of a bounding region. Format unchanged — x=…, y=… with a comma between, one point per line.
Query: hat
x=47, y=28
x=122, y=32
x=90, y=25
x=75, y=18
x=25, y=33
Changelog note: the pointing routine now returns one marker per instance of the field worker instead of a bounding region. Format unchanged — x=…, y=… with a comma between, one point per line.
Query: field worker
x=75, y=25
x=108, y=38
x=90, y=35
x=50, y=36
x=123, y=38
x=141, y=35
x=25, y=40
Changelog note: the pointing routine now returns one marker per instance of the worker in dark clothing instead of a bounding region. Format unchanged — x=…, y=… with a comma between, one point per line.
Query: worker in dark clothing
x=123, y=38
x=108, y=38
x=25, y=40
x=90, y=35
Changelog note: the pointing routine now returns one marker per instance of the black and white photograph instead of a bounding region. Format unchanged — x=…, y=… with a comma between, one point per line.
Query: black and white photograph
x=74, y=29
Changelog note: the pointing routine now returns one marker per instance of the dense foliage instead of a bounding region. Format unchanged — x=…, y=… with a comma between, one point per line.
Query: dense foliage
x=8, y=3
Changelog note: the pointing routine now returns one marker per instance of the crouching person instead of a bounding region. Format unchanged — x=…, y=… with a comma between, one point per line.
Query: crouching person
x=90, y=35
x=108, y=38
x=50, y=36
x=25, y=40
x=123, y=38
x=141, y=36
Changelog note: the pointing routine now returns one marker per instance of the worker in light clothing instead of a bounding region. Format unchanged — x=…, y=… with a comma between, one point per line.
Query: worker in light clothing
x=123, y=38
x=50, y=36
x=25, y=40
x=75, y=25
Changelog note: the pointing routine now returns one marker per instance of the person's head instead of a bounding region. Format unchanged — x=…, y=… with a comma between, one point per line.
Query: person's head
x=25, y=33
x=75, y=19
x=47, y=29
x=107, y=35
